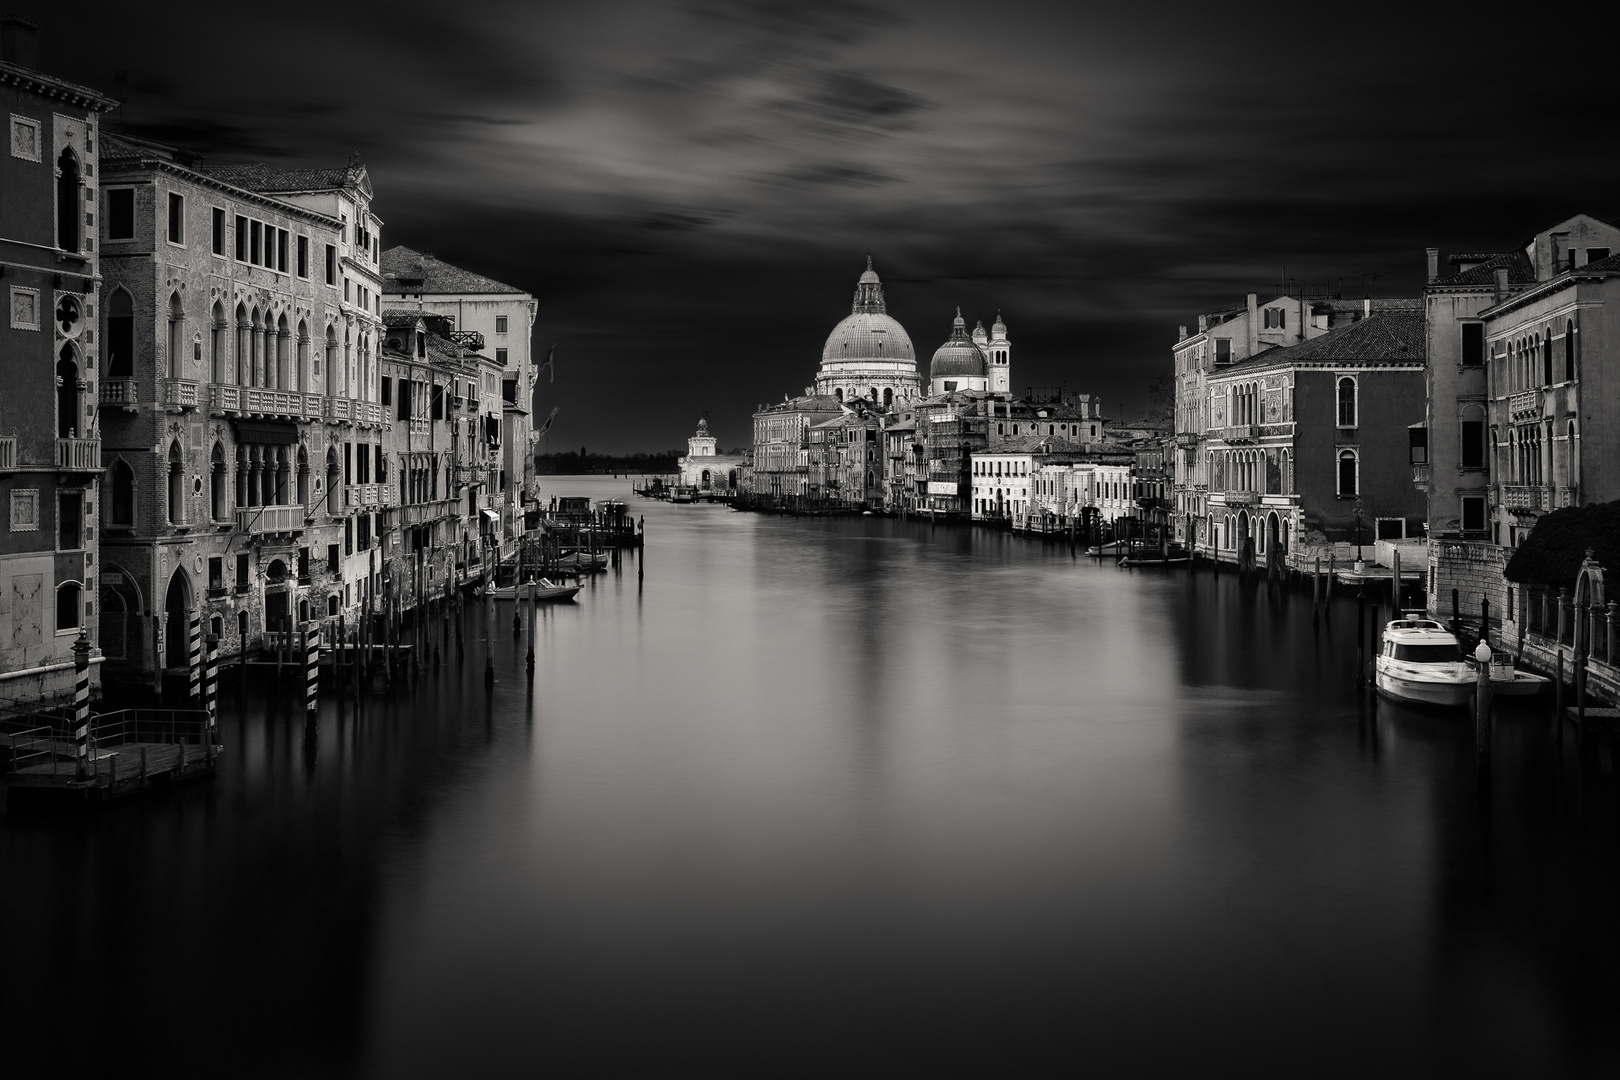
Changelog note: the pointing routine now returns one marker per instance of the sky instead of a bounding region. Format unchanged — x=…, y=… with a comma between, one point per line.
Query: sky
x=690, y=190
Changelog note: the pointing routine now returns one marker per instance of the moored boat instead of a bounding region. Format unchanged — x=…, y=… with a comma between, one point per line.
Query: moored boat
x=1422, y=663
x=542, y=590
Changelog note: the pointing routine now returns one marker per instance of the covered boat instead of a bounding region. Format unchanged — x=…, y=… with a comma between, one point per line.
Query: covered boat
x=1422, y=662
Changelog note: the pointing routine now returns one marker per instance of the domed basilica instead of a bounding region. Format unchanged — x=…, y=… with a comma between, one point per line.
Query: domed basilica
x=869, y=355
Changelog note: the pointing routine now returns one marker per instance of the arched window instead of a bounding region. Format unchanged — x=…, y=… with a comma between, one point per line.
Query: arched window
x=1348, y=469
x=331, y=362
x=283, y=355
x=888, y=396
x=1472, y=424
x=216, y=484
x=218, y=360
x=255, y=349
x=1347, y=402
x=1569, y=351
x=839, y=393
x=67, y=605
x=244, y=350
x=241, y=476
x=1544, y=347
x=122, y=513
x=69, y=204
x=303, y=477
x=67, y=394
x=301, y=369
x=1574, y=454
x=120, y=335
x=177, y=337
x=332, y=474
x=177, y=486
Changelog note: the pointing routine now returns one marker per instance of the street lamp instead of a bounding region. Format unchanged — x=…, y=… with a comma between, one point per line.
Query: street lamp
x=1359, y=562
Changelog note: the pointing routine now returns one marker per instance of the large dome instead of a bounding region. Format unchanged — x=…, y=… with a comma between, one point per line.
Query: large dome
x=868, y=335
x=959, y=357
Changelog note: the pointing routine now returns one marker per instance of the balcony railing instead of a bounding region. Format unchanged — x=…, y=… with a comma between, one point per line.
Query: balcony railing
x=119, y=392
x=360, y=496
x=1525, y=497
x=1240, y=432
x=78, y=455
x=8, y=452
x=180, y=393
x=337, y=409
x=1242, y=498
x=1420, y=476
x=258, y=520
x=368, y=413
x=1525, y=404
x=225, y=399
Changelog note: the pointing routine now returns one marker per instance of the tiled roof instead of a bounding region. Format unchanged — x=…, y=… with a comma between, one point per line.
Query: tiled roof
x=268, y=178
x=1040, y=445
x=427, y=274
x=395, y=317
x=1520, y=272
x=1609, y=265
x=1389, y=336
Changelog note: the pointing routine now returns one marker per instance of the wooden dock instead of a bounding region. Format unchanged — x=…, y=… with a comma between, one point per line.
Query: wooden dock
x=129, y=752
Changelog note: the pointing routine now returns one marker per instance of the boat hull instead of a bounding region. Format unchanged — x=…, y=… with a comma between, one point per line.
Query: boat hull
x=1444, y=694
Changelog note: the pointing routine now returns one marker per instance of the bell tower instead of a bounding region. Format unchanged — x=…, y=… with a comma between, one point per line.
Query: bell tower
x=1000, y=350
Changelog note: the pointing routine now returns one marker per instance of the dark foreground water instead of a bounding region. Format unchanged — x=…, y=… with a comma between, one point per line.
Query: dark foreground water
x=830, y=795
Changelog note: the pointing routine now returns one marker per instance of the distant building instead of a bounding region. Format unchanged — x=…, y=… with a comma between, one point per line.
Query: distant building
x=50, y=449
x=781, y=467
x=705, y=468
x=1004, y=475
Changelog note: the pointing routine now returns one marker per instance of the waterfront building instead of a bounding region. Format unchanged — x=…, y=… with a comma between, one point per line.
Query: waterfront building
x=868, y=354
x=1309, y=441
x=1003, y=477
x=52, y=353
x=705, y=469
x=239, y=410
x=781, y=468
x=846, y=459
x=441, y=458
x=494, y=319
x=1486, y=353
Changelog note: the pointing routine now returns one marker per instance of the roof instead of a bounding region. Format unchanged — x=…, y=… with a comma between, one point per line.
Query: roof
x=1387, y=336
x=50, y=86
x=395, y=317
x=1553, y=552
x=269, y=178
x=959, y=356
x=1520, y=271
x=1039, y=445
x=427, y=274
x=806, y=403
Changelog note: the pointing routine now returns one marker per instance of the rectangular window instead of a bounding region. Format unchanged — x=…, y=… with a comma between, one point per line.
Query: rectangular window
x=255, y=243
x=348, y=536
x=345, y=290
x=216, y=574
x=331, y=265
x=1223, y=351
x=500, y=324
x=1595, y=254
x=1473, y=444
x=348, y=458
x=387, y=390
x=241, y=572
x=404, y=400
x=1473, y=513
x=177, y=218
x=303, y=256
x=334, y=560
x=281, y=250
x=1417, y=440
x=438, y=403
x=303, y=566
x=218, y=230
x=1473, y=343
x=241, y=238
x=500, y=357
x=69, y=520
x=121, y=214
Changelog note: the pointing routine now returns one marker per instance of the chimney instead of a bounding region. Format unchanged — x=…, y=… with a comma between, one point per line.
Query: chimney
x=1434, y=262
x=1181, y=333
x=1501, y=283
x=1253, y=301
x=1203, y=323
x=19, y=42
x=1366, y=307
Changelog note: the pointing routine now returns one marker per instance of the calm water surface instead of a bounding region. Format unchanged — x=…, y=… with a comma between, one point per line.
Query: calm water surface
x=832, y=794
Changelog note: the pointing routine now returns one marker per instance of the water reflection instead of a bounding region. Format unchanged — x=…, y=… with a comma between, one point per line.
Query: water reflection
x=815, y=792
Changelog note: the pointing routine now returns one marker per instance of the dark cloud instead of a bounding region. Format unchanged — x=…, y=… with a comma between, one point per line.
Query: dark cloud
x=690, y=191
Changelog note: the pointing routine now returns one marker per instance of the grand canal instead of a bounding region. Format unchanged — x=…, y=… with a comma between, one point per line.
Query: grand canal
x=829, y=794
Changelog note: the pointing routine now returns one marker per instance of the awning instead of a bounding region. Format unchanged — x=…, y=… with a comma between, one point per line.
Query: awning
x=491, y=516
x=266, y=431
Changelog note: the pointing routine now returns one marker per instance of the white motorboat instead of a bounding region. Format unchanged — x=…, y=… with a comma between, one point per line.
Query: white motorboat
x=1422, y=663
x=542, y=590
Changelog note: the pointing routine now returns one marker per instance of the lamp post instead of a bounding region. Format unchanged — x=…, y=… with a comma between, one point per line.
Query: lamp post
x=1360, y=563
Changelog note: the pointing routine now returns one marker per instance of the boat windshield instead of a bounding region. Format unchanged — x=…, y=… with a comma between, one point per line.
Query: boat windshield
x=1429, y=654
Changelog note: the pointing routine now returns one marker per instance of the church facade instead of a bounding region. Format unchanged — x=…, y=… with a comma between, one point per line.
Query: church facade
x=704, y=468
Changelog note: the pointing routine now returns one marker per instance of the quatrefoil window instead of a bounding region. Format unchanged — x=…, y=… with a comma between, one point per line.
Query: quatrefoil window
x=69, y=316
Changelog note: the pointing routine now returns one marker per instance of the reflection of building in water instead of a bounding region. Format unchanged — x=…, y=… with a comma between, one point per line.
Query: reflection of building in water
x=707, y=470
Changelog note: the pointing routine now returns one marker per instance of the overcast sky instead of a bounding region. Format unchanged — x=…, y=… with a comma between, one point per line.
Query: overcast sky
x=690, y=190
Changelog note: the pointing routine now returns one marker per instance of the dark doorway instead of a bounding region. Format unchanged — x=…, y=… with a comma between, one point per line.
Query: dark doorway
x=177, y=605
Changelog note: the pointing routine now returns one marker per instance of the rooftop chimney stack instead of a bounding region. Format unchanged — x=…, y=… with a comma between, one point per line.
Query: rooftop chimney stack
x=1181, y=333
x=1501, y=276
x=1434, y=263
x=1253, y=301
x=19, y=42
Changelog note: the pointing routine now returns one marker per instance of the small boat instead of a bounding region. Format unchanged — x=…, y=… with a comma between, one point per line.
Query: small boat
x=542, y=590
x=1422, y=663
x=1113, y=547
x=583, y=560
x=1507, y=682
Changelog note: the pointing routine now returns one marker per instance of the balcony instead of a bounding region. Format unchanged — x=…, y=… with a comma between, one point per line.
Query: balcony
x=1240, y=433
x=1187, y=438
x=78, y=455
x=423, y=513
x=180, y=394
x=367, y=413
x=1524, y=497
x=272, y=404
x=225, y=399
x=120, y=393
x=1525, y=405
x=361, y=496
x=1242, y=498
x=336, y=410
x=8, y=452
x=260, y=520
x=470, y=475
x=1420, y=477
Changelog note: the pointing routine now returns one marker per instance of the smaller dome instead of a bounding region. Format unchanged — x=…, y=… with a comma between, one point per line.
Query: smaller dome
x=870, y=276
x=959, y=357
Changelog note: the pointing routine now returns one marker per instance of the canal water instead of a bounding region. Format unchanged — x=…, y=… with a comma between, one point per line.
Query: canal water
x=834, y=794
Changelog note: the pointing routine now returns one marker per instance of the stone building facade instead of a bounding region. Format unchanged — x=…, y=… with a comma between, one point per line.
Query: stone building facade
x=705, y=468
x=52, y=355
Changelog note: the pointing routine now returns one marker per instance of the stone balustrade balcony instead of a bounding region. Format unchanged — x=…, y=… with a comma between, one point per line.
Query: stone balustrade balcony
x=180, y=394
x=8, y=452
x=262, y=520
x=78, y=455
x=1525, y=497
x=120, y=392
x=1525, y=405
x=1240, y=432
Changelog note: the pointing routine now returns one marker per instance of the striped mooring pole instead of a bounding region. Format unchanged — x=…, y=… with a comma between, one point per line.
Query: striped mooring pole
x=211, y=688
x=81, y=702
x=194, y=641
x=312, y=670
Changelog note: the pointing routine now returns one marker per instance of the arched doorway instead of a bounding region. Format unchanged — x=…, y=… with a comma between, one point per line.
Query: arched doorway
x=1245, y=542
x=705, y=479
x=67, y=395
x=177, y=609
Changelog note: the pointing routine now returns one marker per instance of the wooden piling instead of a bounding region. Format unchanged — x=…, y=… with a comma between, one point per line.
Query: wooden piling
x=1482, y=706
